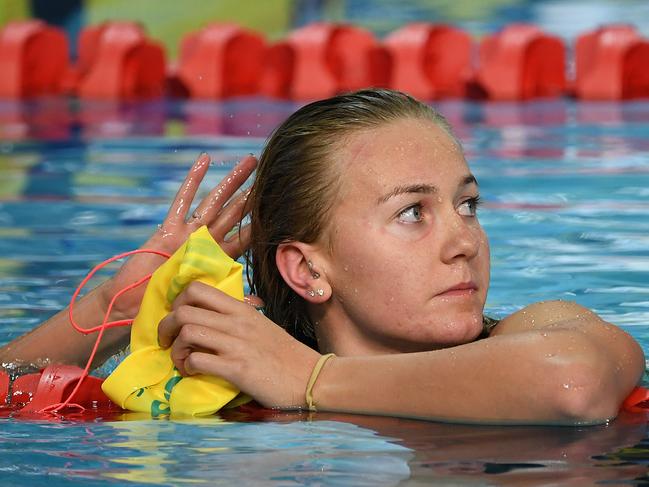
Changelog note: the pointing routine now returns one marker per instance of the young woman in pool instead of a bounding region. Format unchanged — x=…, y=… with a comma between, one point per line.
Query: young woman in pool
x=365, y=244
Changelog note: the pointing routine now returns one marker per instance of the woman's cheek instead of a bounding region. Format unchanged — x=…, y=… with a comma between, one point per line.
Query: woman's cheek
x=407, y=232
x=484, y=254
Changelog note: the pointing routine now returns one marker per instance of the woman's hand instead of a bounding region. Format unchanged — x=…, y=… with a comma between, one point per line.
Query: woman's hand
x=212, y=333
x=55, y=341
x=179, y=224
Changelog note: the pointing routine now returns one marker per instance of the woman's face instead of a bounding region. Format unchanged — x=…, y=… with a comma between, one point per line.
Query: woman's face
x=407, y=259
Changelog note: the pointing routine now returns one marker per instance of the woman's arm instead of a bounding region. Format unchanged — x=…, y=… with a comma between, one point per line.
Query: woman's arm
x=55, y=341
x=552, y=362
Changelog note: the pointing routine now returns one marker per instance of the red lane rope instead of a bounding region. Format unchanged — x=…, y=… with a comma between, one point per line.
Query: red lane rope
x=105, y=324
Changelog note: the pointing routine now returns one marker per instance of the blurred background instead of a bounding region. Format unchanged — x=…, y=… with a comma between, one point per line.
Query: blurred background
x=169, y=21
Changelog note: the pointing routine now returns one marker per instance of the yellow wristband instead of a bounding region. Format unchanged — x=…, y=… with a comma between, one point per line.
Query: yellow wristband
x=314, y=377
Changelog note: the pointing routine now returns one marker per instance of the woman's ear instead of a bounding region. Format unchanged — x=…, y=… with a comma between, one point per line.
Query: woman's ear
x=297, y=262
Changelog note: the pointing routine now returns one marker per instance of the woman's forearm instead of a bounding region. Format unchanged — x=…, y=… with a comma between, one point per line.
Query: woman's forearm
x=535, y=376
x=56, y=341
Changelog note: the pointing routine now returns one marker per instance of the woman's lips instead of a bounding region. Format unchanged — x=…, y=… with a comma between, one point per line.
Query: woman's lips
x=461, y=289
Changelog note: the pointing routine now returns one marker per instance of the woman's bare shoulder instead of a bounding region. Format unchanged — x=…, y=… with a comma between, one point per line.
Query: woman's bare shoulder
x=548, y=314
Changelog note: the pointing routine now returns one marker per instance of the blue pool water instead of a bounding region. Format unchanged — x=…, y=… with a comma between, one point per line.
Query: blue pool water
x=566, y=191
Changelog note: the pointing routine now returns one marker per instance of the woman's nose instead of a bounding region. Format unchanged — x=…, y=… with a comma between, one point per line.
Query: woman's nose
x=461, y=240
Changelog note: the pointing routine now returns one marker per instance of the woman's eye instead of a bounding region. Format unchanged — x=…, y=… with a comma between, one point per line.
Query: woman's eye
x=469, y=207
x=412, y=214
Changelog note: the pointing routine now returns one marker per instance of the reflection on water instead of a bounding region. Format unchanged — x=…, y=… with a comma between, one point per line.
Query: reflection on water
x=208, y=451
x=326, y=449
x=287, y=453
x=59, y=119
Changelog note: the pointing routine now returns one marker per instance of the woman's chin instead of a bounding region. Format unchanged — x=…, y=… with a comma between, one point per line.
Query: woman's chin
x=454, y=330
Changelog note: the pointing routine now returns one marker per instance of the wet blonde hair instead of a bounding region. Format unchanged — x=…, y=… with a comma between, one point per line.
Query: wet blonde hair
x=297, y=184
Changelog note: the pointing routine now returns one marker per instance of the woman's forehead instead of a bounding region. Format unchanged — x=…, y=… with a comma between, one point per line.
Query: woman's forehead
x=400, y=150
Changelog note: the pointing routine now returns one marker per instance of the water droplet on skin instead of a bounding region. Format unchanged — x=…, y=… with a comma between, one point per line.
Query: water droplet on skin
x=166, y=234
x=346, y=268
x=181, y=206
x=565, y=386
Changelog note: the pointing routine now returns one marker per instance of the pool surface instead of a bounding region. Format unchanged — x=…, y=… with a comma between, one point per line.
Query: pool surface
x=565, y=187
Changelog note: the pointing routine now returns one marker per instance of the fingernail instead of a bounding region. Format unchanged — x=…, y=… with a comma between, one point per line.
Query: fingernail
x=202, y=159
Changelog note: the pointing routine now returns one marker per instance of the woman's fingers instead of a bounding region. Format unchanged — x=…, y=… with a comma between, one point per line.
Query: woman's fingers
x=171, y=325
x=185, y=195
x=203, y=305
x=206, y=363
x=254, y=301
x=198, y=339
x=208, y=210
x=207, y=297
x=229, y=216
x=238, y=242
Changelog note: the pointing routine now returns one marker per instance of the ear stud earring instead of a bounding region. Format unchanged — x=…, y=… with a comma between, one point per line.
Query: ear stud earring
x=312, y=293
x=314, y=274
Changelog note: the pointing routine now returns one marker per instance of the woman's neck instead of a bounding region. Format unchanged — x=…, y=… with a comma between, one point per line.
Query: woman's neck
x=336, y=333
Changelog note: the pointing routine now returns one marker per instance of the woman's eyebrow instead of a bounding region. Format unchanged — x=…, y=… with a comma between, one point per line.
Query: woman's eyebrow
x=411, y=188
x=469, y=179
x=422, y=188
